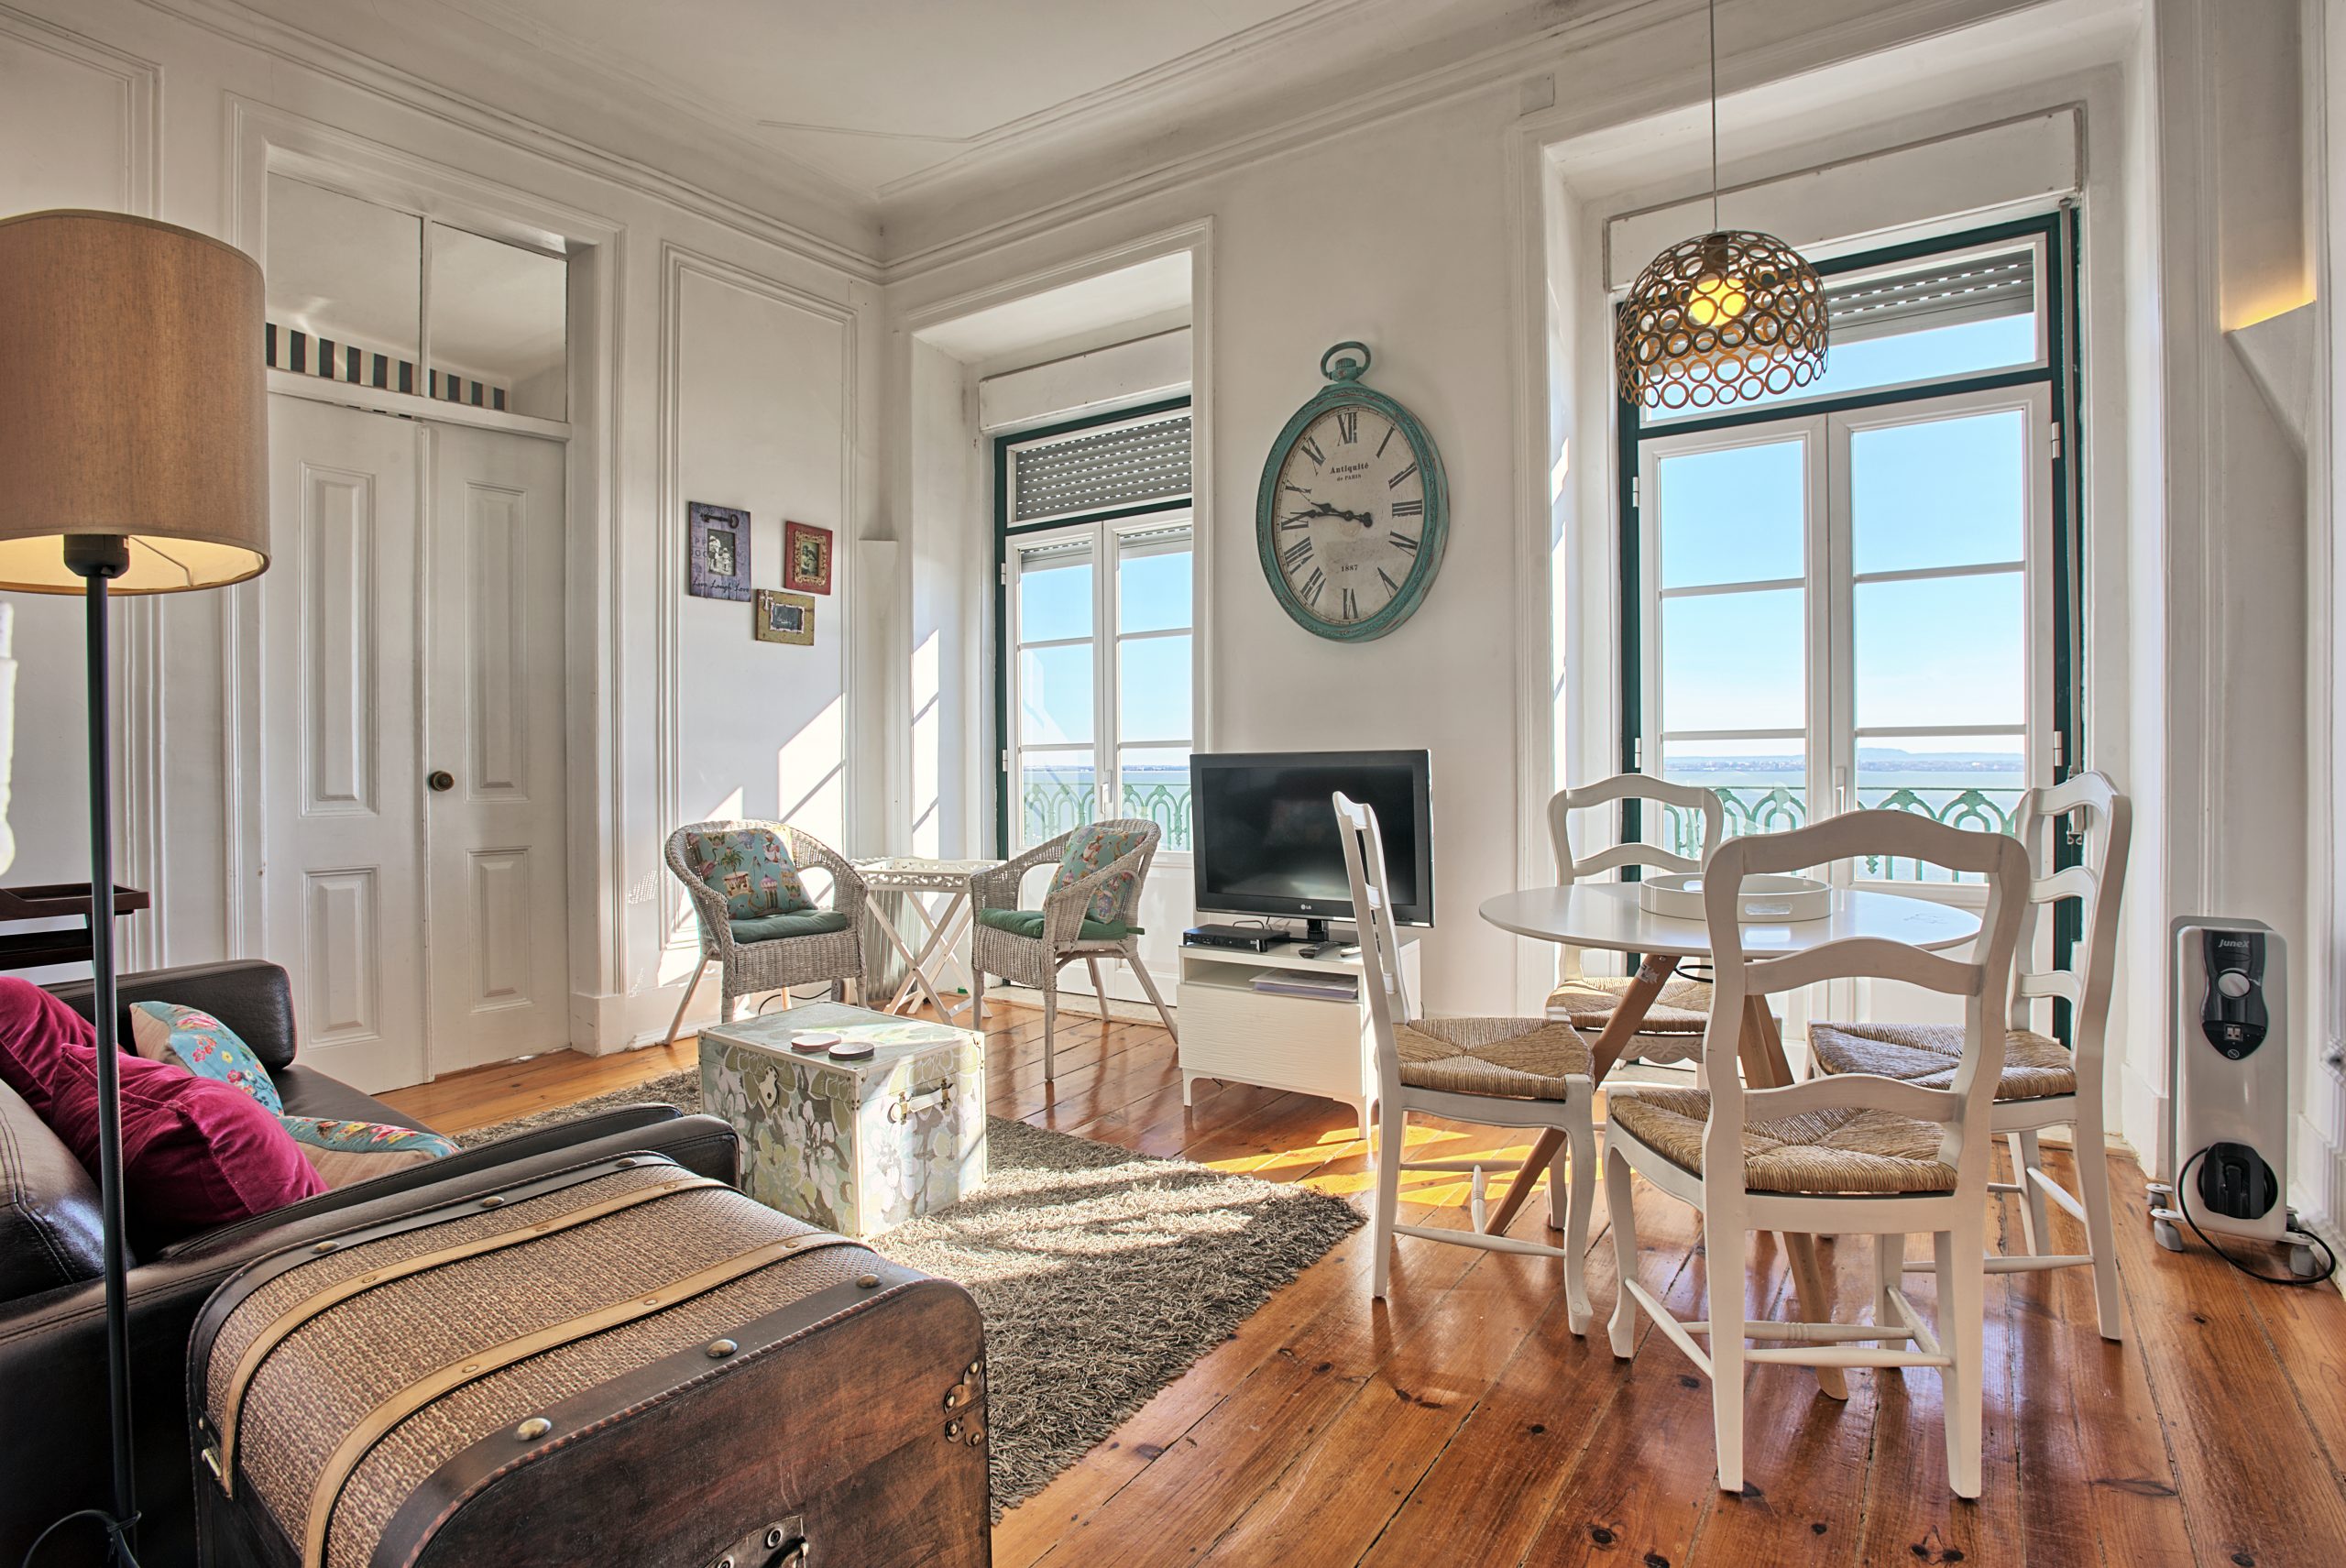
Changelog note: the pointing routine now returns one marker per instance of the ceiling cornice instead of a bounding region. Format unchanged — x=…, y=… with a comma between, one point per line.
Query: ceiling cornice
x=848, y=251
x=1876, y=26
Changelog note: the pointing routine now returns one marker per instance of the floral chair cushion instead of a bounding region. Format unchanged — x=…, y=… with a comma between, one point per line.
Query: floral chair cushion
x=1089, y=850
x=163, y=1031
x=752, y=868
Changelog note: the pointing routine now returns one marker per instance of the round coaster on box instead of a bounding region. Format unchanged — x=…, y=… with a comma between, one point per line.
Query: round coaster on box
x=813, y=1040
x=851, y=1051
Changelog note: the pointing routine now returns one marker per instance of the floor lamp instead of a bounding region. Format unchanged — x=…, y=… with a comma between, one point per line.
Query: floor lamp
x=133, y=460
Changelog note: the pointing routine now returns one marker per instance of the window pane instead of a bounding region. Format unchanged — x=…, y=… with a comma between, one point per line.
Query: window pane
x=1941, y=651
x=500, y=325
x=1943, y=492
x=1054, y=593
x=1055, y=694
x=1153, y=688
x=1733, y=660
x=1056, y=791
x=1964, y=781
x=1157, y=786
x=1732, y=516
x=1762, y=784
x=348, y=274
x=1152, y=581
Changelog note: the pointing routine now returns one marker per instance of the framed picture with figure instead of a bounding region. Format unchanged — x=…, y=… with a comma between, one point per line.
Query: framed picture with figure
x=805, y=558
x=716, y=560
x=784, y=617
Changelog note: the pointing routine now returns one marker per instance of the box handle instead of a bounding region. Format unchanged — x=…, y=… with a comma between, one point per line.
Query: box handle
x=908, y=1104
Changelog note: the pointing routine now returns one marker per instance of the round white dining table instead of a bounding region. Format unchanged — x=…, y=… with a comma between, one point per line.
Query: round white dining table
x=1608, y=916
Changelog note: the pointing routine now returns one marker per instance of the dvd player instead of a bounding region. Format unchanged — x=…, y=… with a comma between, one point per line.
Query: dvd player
x=1244, y=938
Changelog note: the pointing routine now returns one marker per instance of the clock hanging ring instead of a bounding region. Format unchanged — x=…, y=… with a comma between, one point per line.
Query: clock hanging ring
x=1354, y=508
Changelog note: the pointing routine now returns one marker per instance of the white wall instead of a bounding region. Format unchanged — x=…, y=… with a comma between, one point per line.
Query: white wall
x=715, y=358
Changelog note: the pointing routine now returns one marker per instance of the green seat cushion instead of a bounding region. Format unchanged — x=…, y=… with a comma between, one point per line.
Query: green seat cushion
x=801, y=923
x=1029, y=923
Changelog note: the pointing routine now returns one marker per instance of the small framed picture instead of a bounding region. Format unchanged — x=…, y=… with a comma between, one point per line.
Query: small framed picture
x=805, y=558
x=784, y=617
x=717, y=564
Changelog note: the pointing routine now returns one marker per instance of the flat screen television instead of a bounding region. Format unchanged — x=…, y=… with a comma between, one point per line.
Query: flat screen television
x=1265, y=831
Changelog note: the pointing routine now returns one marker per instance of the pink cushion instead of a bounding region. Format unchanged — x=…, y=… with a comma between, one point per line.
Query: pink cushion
x=196, y=1153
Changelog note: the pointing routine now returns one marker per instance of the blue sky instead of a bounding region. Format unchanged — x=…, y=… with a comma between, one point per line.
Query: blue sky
x=1945, y=493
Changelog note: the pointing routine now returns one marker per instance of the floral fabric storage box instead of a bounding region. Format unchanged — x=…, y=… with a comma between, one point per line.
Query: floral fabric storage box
x=854, y=1146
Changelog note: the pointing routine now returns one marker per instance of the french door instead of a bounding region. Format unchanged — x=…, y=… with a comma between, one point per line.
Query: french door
x=412, y=741
x=1852, y=609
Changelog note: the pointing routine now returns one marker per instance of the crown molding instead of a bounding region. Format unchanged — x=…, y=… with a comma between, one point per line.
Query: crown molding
x=241, y=24
x=1554, y=49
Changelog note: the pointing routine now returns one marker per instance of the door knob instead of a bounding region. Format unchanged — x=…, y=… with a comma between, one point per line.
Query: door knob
x=441, y=781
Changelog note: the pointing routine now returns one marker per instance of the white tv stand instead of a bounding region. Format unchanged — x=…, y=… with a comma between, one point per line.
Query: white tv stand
x=1232, y=1032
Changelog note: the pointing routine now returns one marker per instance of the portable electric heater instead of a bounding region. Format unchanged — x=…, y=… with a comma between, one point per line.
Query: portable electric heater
x=2230, y=1086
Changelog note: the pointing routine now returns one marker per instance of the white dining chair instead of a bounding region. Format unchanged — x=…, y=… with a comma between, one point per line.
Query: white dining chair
x=1493, y=1072
x=1672, y=1028
x=2043, y=1083
x=1841, y=1155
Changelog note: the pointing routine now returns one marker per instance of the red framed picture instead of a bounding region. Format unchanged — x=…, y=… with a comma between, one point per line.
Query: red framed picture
x=805, y=558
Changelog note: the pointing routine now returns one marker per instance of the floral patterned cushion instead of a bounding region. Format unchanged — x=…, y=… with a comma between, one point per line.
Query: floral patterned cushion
x=752, y=868
x=1089, y=850
x=163, y=1031
x=346, y=1151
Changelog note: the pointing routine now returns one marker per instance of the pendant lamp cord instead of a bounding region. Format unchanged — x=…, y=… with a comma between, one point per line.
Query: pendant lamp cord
x=1715, y=115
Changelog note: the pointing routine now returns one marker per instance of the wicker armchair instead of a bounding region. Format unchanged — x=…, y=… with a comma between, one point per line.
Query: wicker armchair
x=1036, y=960
x=747, y=967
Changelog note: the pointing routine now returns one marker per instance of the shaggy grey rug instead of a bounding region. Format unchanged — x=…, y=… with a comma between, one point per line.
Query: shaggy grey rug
x=1101, y=1274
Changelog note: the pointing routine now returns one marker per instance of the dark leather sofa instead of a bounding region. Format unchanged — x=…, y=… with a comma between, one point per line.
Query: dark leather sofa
x=53, y=1441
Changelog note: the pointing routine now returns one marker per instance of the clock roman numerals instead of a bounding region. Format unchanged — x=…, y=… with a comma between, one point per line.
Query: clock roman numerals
x=1391, y=587
x=1294, y=520
x=1409, y=509
x=1395, y=482
x=1387, y=441
x=1350, y=608
x=1348, y=425
x=1299, y=489
x=1402, y=541
x=1309, y=592
x=1295, y=555
x=1311, y=449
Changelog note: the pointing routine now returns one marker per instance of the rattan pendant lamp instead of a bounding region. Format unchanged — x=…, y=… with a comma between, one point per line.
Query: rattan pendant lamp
x=1725, y=316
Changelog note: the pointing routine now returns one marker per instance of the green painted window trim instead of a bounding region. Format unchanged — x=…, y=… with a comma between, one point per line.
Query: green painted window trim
x=1004, y=531
x=2062, y=370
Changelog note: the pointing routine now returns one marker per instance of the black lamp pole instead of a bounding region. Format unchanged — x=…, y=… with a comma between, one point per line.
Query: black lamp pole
x=98, y=559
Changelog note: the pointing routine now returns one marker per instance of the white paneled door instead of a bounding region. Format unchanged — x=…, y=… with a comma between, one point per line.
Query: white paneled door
x=412, y=742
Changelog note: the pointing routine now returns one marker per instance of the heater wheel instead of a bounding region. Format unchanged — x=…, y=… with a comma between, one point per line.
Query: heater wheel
x=2302, y=1262
x=2163, y=1233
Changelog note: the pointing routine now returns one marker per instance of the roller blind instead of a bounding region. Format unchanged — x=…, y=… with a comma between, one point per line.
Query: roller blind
x=1103, y=469
x=1941, y=293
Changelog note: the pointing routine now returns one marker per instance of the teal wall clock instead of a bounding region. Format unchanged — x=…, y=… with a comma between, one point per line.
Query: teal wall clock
x=1353, y=509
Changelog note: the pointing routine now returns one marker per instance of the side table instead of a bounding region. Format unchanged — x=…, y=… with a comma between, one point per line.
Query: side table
x=914, y=876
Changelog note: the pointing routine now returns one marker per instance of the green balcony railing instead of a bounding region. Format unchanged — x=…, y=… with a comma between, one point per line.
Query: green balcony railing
x=1771, y=808
x=1052, y=803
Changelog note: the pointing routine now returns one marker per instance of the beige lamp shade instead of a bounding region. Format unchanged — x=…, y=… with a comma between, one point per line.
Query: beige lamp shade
x=133, y=403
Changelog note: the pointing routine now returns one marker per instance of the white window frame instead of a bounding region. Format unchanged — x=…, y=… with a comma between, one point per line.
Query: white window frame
x=1828, y=583
x=1105, y=538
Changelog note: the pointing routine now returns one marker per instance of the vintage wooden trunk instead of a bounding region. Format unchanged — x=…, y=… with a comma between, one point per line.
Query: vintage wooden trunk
x=855, y=1146
x=623, y=1365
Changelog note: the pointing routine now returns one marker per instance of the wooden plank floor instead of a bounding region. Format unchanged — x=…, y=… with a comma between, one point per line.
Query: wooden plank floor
x=1461, y=1423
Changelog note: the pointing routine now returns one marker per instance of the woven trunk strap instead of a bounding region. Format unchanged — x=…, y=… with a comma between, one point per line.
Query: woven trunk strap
x=342, y=1290
x=379, y=1422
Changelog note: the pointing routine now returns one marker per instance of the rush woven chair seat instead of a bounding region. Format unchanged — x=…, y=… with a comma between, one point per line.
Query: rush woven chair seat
x=1493, y=1073
x=1587, y=1002
x=758, y=923
x=2043, y=1083
x=1532, y=1058
x=1825, y=1151
x=1672, y=1029
x=2036, y=1065
x=1842, y=1154
x=1087, y=913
